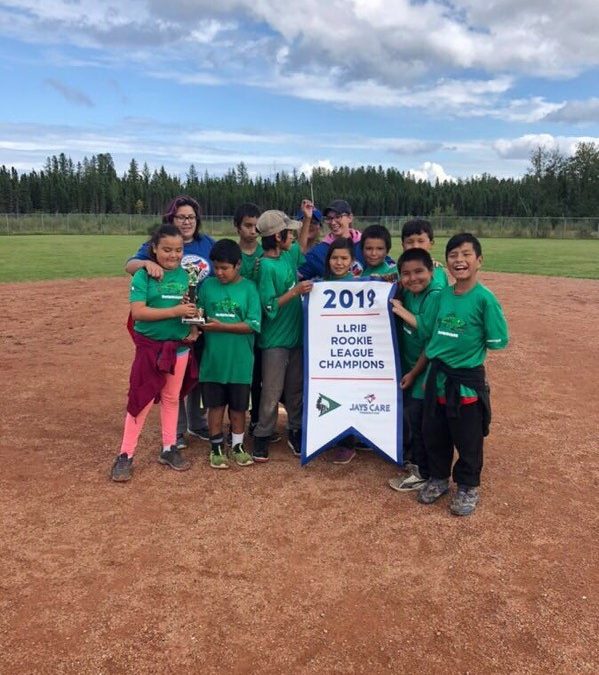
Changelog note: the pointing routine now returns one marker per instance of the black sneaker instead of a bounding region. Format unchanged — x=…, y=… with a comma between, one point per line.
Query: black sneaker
x=121, y=469
x=294, y=441
x=260, y=451
x=201, y=433
x=275, y=437
x=174, y=459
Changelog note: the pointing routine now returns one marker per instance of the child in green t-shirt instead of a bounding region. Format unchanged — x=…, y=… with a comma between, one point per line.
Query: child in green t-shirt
x=232, y=310
x=162, y=350
x=282, y=328
x=376, y=244
x=457, y=409
x=417, y=311
x=418, y=233
x=245, y=219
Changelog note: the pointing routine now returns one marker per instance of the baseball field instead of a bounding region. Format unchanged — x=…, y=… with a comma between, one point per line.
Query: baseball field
x=280, y=569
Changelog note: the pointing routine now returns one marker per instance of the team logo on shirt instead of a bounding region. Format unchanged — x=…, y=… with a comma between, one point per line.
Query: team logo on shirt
x=451, y=326
x=325, y=405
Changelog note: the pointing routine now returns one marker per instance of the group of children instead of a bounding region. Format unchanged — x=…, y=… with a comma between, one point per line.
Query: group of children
x=250, y=347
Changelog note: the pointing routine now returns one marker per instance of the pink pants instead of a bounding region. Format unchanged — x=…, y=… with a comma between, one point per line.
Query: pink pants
x=169, y=411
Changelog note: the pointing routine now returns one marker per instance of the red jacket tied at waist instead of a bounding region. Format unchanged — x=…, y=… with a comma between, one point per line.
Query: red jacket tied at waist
x=154, y=359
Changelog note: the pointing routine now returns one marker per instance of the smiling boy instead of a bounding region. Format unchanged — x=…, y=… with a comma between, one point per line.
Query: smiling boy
x=457, y=409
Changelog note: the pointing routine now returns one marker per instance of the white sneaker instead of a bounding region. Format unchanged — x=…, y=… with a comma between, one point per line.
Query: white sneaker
x=412, y=482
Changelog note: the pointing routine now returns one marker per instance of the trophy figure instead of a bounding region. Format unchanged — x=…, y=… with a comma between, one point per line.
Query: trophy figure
x=193, y=274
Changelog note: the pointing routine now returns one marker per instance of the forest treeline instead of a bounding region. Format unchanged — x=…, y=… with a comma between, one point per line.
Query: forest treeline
x=555, y=185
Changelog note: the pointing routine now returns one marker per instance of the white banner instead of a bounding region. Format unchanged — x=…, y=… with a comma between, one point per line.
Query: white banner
x=351, y=368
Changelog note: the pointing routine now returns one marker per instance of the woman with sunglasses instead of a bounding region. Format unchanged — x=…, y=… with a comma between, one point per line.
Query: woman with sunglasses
x=339, y=218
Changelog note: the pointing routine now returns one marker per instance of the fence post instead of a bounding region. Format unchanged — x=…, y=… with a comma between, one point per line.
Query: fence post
x=42, y=222
x=8, y=225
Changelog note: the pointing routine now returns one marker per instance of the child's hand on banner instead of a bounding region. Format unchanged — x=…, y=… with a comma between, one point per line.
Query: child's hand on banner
x=303, y=287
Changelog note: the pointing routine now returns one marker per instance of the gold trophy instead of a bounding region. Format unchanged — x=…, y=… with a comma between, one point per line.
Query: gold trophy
x=193, y=274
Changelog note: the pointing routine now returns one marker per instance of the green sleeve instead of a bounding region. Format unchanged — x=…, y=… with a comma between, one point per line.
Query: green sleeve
x=201, y=296
x=296, y=254
x=139, y=286
x=496, y=331
x=425, y=321
x=254, y=311
x=267, y=292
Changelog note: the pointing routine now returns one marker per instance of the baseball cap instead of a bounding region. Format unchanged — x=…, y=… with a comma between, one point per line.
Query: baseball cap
x=339, y=206
x=271, y=222
x=316, y=215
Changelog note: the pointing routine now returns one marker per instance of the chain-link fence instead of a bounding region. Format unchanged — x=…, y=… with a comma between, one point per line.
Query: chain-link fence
x=482, y=226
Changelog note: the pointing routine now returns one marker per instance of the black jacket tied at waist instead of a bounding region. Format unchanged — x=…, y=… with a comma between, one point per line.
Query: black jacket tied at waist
x=473, y=378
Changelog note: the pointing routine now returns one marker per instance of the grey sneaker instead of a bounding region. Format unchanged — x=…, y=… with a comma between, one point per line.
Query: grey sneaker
x=464, y=501
x=432, y=490
x=406, y=484
x=174, y=459
x=121, y=469
x=201, y=433
x=181, y=442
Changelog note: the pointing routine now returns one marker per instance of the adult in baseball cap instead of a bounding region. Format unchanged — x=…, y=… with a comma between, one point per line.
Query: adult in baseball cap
x=339, y=218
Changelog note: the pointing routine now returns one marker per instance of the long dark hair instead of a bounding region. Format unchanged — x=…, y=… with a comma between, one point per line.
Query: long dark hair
x=184, y=200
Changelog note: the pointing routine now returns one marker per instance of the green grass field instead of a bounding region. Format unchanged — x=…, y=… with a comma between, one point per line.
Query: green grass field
x=37, y=257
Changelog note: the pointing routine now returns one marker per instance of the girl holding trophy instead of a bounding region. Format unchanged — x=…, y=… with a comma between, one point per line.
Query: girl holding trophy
x=164, y=366
x=184, y=212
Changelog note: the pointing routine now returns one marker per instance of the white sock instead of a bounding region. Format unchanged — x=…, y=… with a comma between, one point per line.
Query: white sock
x=236, y=439
x=166, y=448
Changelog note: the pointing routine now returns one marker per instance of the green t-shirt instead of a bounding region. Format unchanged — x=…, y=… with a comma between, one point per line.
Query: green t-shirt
x=166, y=292
x=424, y=306
x=466, y=326
x=281, y=326
x=439, y=276
x=228, y=358
x=383, y=269
x=248, y=263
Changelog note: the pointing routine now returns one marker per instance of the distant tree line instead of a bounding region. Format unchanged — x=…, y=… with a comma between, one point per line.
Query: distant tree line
x=554, y=186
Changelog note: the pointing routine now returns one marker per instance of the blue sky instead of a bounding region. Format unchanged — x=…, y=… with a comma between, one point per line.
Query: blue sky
x=437, y=88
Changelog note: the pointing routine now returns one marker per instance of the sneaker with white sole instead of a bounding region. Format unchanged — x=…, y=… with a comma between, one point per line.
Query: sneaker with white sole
x=432, y=490
x=407, y=484
x=218, y=457
x=464, y=501
x=241, y=457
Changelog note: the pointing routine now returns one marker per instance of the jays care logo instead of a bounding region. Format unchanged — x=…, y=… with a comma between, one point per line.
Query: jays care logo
x=325, y=405
x=370, y=407
x=201, y=264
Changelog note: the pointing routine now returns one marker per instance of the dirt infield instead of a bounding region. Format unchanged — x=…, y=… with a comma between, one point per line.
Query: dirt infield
x=278, y=569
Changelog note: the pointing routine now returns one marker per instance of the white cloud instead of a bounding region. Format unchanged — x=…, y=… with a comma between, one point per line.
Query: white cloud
x=522, y=147
x=322, y=164
x=431, y=172
x=576, y=112
x=368, y=53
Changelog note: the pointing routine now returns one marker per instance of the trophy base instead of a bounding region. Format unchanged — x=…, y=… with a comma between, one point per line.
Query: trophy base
x=196, y=321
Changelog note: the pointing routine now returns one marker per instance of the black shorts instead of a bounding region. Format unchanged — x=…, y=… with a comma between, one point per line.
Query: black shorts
x=217, y=395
